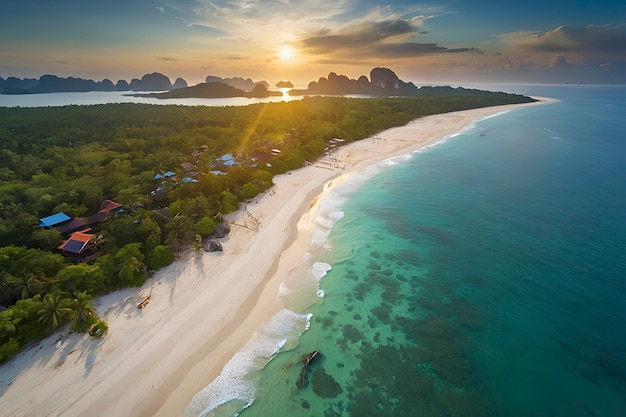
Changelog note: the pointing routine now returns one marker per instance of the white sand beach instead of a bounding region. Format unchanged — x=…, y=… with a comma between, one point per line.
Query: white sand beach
x=204, y=307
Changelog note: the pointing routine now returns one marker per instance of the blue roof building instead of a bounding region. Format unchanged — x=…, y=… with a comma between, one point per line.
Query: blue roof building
x=54, y=220
x=227, y=160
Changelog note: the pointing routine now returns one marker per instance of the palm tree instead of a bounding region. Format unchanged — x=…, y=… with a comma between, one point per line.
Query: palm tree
x=54, y=310
x=181, y=232
x=26, y=285
x=129, y=266
x=131, y=269
x=97, y=242
x=151, y=230
x=83, y=312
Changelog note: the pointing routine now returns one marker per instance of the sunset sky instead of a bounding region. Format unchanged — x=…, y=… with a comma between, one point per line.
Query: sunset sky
x=580, y=41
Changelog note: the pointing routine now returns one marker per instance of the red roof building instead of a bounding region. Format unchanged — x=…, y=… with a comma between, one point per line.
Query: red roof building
x=77, y=243
x=108, y=205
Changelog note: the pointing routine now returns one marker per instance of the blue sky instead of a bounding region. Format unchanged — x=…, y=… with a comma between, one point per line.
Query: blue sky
x=431, y=41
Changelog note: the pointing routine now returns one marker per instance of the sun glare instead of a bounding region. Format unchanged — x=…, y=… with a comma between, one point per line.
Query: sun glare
x=286, y=52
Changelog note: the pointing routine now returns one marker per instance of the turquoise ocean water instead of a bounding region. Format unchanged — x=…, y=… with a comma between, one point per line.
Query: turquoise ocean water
x=484, y=276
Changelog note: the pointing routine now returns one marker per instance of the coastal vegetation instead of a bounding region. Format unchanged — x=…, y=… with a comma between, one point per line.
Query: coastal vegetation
x=71, y=159
x=213, y=90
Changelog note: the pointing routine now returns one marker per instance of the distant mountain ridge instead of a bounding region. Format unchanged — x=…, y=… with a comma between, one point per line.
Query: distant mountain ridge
x=381, y=79
x=53, y=84
x=149, y=82
x=381, y=82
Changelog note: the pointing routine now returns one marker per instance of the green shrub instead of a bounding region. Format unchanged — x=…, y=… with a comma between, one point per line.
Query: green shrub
x=99, y=329
x=160, y=257
x=9, y=349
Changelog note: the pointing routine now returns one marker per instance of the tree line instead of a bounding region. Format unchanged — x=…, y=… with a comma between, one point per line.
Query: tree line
x=72, y=158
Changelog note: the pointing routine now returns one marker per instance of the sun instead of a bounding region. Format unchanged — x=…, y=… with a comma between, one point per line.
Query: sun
x=286, y=52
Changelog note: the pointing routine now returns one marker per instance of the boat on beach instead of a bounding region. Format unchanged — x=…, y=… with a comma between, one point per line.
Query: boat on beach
x=144, y=301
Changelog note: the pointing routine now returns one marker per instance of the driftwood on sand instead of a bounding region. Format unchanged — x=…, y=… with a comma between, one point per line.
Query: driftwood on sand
x=307, y=361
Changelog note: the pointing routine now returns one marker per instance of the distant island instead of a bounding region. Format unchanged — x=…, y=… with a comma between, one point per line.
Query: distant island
x=213, y=90
x=284, y=84
x=237, y=82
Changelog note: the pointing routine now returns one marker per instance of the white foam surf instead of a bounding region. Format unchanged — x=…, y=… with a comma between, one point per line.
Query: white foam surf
x=239, y=378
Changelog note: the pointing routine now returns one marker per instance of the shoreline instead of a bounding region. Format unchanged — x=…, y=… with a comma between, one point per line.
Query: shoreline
x=204, y=308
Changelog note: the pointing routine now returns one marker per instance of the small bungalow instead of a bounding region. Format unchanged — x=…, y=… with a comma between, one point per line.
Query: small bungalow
x=77, y=245
x=72, y=226
x=227, y=160
x=199, y=152
x=163, y=212
x=63, y=223
x=224, y=161
x=106, y=208
x=167, y=180
x=54, y=220
x=188, y=166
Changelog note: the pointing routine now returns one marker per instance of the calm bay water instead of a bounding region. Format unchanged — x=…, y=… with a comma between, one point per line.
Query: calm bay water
x=481, y=277
x=104, y=97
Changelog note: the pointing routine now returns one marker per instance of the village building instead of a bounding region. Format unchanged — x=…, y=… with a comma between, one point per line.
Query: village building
x=54, y=220
x=78, y=244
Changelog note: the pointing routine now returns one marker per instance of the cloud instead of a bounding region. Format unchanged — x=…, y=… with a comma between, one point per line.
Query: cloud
x=358, y=36
x=162, y=58
x=385, y=38
x=185, y=21
x=253, y=18
x=333, y=30
x=589, y=42
x=159, y=8
x=410, y=49
x=559, y=61
x=319, y=26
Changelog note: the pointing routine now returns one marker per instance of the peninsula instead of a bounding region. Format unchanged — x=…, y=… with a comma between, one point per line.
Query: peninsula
x=120, y=189
x=203, y=308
